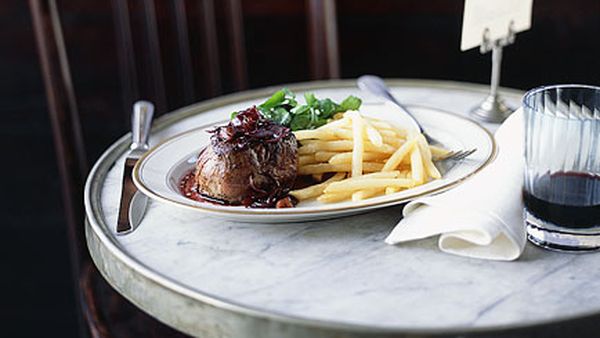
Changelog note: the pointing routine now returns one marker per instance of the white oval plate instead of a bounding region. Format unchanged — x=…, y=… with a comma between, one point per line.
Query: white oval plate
x=158, y=173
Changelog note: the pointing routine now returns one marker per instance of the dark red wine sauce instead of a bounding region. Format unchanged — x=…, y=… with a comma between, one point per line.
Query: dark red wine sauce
x=189, y=189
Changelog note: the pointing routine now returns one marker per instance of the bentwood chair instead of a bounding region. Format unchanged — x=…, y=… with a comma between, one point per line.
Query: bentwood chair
x=142, y=54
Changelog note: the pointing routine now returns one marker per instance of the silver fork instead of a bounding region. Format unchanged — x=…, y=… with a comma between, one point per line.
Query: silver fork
x=376, y=86
x=455, y=155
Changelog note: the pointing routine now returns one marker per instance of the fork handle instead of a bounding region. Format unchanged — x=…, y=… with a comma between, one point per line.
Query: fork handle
x=376, y=86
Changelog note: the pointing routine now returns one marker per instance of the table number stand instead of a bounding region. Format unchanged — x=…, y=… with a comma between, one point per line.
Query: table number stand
x=493, y=109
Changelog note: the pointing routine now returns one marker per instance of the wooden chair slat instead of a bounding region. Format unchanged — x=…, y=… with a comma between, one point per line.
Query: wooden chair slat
x=66, y=128
x=64, y=118
x=235, y=25
x=323, y=40
x=152, y=43
x=208, y=30
x=183, y=47
x=125, y=54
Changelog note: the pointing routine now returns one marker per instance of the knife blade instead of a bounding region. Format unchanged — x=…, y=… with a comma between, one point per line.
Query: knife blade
x=141, y=121
x=137, y=209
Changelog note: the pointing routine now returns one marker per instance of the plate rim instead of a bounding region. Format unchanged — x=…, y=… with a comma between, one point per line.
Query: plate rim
x=286, y=212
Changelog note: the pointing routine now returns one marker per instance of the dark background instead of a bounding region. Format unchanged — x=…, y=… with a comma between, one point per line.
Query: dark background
x=407, y=39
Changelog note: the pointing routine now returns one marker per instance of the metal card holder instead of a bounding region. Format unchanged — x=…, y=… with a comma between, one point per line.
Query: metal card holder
x=493, y=109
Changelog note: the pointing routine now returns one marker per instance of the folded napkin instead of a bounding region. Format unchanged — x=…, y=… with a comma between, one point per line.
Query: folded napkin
x=481, y=218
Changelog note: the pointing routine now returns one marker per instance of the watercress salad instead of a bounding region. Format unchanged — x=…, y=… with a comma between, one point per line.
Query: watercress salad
x=283, y=108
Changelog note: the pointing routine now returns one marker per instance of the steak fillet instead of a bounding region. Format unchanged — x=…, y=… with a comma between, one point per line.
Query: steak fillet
x=252, y=161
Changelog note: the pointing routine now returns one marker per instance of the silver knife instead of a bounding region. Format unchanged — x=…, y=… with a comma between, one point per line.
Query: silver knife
x=141, y=121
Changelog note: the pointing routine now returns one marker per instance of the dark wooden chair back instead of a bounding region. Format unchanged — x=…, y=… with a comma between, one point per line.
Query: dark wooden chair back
x=144, y=54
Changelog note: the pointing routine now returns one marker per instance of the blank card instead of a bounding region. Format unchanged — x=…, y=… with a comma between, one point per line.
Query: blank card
x=496, y=16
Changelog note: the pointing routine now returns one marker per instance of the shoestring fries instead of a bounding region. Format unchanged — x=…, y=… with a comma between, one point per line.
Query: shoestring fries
x=369, y=157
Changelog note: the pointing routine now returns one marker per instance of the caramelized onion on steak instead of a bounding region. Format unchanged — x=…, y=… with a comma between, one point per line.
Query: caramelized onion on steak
x=251, y=161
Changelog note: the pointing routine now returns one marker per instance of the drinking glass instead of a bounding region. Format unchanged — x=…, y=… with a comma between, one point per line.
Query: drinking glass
x=561, y=189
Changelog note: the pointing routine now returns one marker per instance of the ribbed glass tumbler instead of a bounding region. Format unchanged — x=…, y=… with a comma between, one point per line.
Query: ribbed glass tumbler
x=561, y=190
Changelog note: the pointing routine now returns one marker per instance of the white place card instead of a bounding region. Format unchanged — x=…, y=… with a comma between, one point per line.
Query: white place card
x=495, y=16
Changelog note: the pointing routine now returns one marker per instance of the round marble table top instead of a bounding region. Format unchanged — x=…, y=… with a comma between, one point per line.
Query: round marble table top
x=210, y=277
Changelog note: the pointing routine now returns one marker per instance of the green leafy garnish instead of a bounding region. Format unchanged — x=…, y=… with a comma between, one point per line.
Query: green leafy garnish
x=351, y=103
x=283, y=108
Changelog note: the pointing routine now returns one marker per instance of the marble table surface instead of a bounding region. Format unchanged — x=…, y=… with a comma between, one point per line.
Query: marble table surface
x=337, y=273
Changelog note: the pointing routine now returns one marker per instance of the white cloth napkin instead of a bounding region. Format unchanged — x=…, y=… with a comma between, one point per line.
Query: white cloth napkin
x=481, y=218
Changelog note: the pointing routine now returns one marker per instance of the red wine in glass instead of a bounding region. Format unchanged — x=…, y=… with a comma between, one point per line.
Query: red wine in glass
x=566, y=199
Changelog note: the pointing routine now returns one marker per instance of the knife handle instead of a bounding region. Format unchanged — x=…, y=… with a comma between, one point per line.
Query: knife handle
x=141, y=120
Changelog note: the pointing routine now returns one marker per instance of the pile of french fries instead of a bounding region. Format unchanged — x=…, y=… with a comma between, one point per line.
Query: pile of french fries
x=368, y=157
